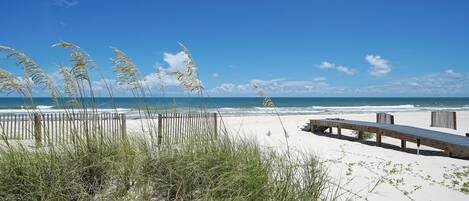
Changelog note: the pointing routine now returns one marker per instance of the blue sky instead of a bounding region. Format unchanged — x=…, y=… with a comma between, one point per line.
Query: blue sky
x=290, y=48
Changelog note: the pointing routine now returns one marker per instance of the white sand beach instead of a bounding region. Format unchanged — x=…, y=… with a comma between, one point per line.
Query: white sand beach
x=364, y=170
x=368, y=171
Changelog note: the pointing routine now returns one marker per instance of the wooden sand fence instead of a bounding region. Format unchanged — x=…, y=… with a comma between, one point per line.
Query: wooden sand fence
x=56, y=128
x=175, y=128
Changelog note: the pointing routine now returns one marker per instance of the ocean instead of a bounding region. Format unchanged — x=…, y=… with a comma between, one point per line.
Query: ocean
x=240, y=106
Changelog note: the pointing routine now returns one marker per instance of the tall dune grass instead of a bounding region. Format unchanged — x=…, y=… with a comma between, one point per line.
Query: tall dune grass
x=98, y=167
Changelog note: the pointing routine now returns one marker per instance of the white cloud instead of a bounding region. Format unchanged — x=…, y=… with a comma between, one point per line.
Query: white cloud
x=278, y=87
x=340, y=68
x=226, y=87
x=175, y=61
x=152, y=80
x=379, y=66
x=215, y=75
x=435, y=84
x=326, y=65
x=346, y=70
x=447, y=83
x=65, y=3
x=318, y=79
x=452, y=73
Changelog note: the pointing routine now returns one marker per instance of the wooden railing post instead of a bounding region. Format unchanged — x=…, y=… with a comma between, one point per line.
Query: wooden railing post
x=123, y=126
x=339, y=131
x=454, y=121
x=37, y=129
x=215, y=124
x=378, y=137
x=160, y=129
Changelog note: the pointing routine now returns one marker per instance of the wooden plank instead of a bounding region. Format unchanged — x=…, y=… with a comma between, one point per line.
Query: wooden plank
x=384, y=118
x=10, y=122
x=187, y=121
x=15, y=131
x=108, y=123
x=215, y=124
x=180, y=121
x=123, y=125
x=2, y=125
x=404, y=137
x=160, y=129
x=37, y=129
x=23, y=127
x=175, y=127
x=444, y=119
x=339, y=131
x=378, y=138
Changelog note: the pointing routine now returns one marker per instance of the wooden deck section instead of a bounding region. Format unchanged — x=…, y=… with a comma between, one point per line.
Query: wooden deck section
x=453, y=145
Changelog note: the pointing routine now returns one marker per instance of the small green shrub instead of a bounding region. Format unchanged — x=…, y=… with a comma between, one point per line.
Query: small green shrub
x=365, y=135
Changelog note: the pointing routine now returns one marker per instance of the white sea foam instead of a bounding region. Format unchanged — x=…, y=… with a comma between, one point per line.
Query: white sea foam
x=44, y=107
x=52, y=110
x=254, y=111
x=331, y=109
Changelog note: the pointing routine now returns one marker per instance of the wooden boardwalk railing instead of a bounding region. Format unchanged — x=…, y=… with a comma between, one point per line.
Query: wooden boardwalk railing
x=384, y=118
x=54, y=128
x=444, y=119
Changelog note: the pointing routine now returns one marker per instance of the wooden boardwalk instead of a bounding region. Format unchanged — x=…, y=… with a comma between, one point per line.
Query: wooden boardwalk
x=453, y=145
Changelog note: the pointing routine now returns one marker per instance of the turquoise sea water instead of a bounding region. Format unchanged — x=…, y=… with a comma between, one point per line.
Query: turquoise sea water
x=253, y=106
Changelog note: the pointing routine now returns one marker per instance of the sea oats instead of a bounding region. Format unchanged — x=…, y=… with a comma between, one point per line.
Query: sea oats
x=33, y=73
x=267, y=102
x=70, y=86
x=189, y=77
x=81, y=64
x=80, y=59
x=10, y=83
x=126, y=71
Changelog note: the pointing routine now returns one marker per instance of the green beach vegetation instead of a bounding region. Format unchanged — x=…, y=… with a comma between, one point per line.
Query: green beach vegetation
x=96, y=166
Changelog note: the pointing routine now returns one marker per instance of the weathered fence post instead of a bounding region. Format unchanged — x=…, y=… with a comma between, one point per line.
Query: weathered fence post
x=215, y=124
x=454, y=117
x=123, y=126
x=160, y=127
x=37, y=129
